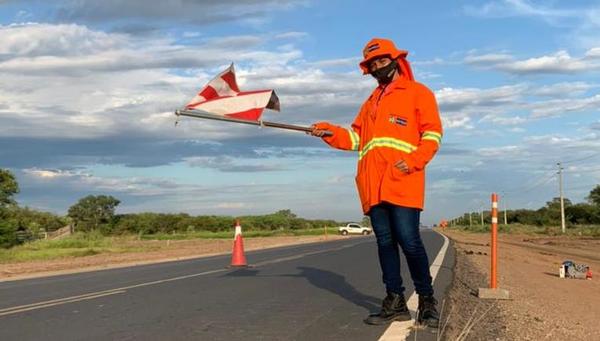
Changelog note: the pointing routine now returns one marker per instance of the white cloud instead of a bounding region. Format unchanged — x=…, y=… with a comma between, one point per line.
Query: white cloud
x=85, y=180
x=340, y=62
x=493, y=152
x=52, y=88
x=513, y=104
x=560, y=62
x=228, y=164
x=579, y=22
x=190, y=12
x=449, y=186
x=517, y=130
x=32, y=40
x=457, y=122
x=47, y=174
x=35, y=49
x=166, y=195
x=505, y=121
x=291, y=35
x=451, y=99
x=77, y=93
x=593, y=53
x=563, y=148
x=564, y=89
x=486, y=59
x=435, y=61
x=560, y=107
x=511, y=8
x=341, y=179
x=232, y=205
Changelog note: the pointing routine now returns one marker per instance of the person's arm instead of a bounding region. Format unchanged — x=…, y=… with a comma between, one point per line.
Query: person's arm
x=341, y=138
x=430, y=129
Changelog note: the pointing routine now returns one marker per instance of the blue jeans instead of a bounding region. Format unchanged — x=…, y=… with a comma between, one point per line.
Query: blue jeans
x=396, y=225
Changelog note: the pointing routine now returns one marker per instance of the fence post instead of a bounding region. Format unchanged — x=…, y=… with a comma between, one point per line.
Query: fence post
x=494, y=244
x=493, y=292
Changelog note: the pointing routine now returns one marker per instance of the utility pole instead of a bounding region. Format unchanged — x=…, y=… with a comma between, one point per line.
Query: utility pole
x=470, y=219
x=562, y=201
x=505, y=220
x=481, y=211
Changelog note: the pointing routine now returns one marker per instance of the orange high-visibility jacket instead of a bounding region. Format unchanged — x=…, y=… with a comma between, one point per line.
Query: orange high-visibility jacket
x=397, y=122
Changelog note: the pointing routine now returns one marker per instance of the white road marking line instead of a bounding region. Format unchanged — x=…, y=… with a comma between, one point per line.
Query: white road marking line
x=92, y=295
x=59, y=302
x=53, y=301
x=399, y=330
x=304, y=255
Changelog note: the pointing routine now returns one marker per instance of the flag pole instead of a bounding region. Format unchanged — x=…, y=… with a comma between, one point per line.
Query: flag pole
x=209, y=116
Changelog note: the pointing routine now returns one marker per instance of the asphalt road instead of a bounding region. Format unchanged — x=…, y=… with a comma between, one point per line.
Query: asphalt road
x=311, y=292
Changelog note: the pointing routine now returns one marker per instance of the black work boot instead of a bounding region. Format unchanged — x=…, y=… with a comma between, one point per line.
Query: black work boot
x=428, y=315
x=393, y=308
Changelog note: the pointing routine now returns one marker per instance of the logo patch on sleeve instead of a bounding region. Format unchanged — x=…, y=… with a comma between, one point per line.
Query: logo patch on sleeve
x=398, y=120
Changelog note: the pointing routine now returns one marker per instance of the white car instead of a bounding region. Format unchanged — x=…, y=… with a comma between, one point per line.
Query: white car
x=354, y=228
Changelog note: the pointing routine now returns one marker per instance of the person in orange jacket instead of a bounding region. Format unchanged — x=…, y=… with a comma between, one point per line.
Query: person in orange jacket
x=396, y=133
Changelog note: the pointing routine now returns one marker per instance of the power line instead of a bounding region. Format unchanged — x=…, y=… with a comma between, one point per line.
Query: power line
x=539, y=183
x=582, y=187
x=584, y=170
x=562, y=203
x=544, y=182
x=582, y=159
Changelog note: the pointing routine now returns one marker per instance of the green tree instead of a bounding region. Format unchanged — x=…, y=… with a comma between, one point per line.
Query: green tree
x=8, y=233
x=8, y=187
x=366, y=221
x=92, y=212
x=288, y=214
x=594, y=197
x=581, y=214
x=554, y=205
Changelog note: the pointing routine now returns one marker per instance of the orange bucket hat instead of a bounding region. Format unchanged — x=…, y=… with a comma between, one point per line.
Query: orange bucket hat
x=379, y=47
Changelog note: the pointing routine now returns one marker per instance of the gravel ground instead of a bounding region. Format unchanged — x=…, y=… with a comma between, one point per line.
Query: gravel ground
x=542, y=305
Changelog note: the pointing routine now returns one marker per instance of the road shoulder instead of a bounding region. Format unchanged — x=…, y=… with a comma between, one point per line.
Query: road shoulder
x=542, y=305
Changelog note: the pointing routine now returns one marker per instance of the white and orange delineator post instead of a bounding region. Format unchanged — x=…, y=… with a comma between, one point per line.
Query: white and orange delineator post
x=493, y=292
x=238, y=259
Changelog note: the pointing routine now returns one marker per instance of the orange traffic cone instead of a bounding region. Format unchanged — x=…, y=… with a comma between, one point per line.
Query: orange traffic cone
x=237, y=257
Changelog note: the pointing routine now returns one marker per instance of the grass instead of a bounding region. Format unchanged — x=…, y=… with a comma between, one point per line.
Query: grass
x=229, y=234
x=78, y=245
x=88, y=244
x=591, y=231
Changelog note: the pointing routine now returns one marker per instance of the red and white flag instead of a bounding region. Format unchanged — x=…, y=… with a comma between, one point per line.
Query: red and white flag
x=222, y=96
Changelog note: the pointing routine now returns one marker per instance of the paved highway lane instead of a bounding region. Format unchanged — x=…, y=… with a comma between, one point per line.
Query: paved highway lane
x=312, y=292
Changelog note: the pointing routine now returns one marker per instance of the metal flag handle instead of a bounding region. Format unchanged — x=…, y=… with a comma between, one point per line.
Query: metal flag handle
x=209, y=116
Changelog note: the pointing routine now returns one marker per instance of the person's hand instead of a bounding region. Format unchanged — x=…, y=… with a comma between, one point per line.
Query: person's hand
x=402, y=166
x=319, y=129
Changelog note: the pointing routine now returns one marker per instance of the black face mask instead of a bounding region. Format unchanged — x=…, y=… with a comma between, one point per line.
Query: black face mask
x=385, y=74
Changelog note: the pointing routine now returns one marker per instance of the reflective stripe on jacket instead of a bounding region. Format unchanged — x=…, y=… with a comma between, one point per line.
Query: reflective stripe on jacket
x=397, y=122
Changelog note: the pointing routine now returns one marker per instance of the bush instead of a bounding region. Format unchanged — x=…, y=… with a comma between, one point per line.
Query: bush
x=8, y=233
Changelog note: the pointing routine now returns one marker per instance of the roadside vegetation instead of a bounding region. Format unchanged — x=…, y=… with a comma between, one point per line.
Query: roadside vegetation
x=582, y=219
x=91, y=243
x=592, y=231
x=95, y=227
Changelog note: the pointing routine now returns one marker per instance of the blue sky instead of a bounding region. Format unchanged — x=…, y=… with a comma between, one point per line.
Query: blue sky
x=89, y=88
